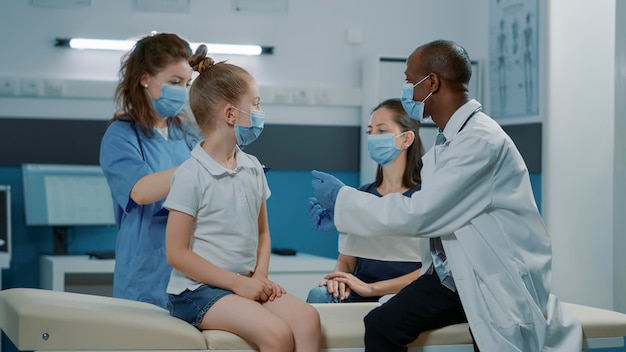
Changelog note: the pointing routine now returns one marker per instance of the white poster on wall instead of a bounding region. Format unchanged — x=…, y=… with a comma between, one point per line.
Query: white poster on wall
x=513, y=58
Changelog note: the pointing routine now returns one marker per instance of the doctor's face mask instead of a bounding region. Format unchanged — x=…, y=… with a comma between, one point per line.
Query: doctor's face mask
x=415, y=109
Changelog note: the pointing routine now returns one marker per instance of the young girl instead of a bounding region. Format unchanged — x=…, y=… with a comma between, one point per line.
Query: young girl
x=394, y=143
x=142, y=146
x=217, y=235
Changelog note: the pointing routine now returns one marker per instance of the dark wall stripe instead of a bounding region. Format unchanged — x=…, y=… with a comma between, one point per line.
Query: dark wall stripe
x=527, y=138
x=298, y=147
x=50, y=141
x=283, y=147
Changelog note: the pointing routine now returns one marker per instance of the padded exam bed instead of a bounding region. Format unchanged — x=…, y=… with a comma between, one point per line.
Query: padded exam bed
x=43, y=320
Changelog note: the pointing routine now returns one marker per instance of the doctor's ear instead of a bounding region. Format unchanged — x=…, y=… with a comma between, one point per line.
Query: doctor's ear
x=434, y=82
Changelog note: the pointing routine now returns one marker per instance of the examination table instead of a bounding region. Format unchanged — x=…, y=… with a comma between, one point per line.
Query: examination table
x=43, y=320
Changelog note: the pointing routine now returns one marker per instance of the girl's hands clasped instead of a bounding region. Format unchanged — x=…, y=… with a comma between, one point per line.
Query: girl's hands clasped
x=259, y=288
x=254, y=288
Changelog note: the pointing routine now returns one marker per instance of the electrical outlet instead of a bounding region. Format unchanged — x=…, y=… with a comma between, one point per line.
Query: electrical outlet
x=322, y=96
x=302, y=96
x=31, y=87
x=8, y=86
x=282, y=95
x=53, y=87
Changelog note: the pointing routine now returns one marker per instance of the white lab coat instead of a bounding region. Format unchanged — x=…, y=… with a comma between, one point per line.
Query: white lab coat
x=476, y=196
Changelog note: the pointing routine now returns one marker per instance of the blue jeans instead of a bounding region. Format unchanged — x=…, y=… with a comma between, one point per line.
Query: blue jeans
x=320, y=294
x=191, y=306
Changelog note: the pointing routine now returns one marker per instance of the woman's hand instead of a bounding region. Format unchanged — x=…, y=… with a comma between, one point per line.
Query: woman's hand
x=350, y=282
x=336, y=288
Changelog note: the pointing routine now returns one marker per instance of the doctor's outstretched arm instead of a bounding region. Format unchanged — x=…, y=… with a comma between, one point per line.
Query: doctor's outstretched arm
x=456, y=192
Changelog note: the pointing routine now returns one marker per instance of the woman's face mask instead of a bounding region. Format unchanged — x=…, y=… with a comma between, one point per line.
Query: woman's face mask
x=171, y=102
x=382, y=147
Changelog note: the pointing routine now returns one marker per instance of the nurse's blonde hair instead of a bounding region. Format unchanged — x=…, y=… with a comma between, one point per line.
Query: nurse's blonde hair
x=217, y=83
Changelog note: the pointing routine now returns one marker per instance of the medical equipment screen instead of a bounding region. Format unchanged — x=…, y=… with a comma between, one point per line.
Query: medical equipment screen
x=66, y=195
x=5, y=226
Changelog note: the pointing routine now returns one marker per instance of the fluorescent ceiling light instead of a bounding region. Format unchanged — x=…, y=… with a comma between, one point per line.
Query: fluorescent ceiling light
x=126, y=45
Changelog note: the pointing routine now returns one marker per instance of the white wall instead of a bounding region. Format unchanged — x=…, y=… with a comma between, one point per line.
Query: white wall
x=310, y=43
x=583, y=160
x=619, y=160
x=580, y=148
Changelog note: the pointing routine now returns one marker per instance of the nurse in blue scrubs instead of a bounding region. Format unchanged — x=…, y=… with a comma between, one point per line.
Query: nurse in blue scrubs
x=145, y=142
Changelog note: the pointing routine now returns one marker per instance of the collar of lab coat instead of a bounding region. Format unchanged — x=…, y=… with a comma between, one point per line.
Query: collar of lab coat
x=459, y=118
x=214, y=168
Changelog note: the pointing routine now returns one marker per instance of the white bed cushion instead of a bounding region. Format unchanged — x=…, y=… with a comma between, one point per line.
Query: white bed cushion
x=342, y=327
x=598, y=323
x=75, y=321
x=84, y=322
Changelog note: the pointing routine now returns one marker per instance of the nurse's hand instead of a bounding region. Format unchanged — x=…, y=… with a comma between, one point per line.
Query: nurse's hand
x=326, y=187
x=322, y=219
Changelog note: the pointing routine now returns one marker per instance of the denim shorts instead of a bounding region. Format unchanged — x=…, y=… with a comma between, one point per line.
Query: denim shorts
x=191, y=306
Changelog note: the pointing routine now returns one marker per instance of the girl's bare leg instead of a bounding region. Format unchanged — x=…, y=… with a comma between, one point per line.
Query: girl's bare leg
x=252, y=321
x=302, y=318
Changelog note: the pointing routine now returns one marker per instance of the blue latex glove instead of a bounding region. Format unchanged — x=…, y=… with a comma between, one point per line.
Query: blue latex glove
x=326, y=187
x=322, y=219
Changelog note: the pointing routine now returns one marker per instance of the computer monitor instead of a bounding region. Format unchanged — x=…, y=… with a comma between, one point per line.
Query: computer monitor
x=5, y=226
x=66, y=195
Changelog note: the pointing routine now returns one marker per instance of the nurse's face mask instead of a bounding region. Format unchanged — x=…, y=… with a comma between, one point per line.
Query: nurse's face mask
x=247, y=134
x=382, y=147
x=172, y=100
x=415, y=109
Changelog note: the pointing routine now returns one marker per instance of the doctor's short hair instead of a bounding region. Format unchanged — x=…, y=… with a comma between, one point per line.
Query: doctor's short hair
x=448, y=60
x=411, y=176
x=150, y=54
x=216, y=83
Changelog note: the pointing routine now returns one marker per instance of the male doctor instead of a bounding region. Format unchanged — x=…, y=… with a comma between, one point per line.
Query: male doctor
x=487, y=253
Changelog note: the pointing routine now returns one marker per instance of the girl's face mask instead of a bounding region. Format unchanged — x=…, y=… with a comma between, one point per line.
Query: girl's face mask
x=247, y=134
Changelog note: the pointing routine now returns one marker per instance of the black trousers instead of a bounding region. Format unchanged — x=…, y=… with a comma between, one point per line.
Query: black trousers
x=423, y=305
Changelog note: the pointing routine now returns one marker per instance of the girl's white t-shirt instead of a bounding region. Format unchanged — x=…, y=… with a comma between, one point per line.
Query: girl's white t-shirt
x=226, y=205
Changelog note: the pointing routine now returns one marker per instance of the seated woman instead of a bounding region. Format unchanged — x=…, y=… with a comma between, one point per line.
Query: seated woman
x=394, y=143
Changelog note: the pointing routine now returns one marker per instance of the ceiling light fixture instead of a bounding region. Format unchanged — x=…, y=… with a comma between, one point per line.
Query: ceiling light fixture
x=126, y=45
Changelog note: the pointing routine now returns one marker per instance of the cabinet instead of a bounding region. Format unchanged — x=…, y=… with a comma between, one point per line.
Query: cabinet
x=82, y=274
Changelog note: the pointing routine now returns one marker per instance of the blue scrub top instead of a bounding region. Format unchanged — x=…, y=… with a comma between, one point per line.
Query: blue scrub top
x=127, y=155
